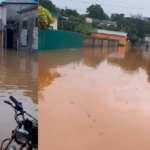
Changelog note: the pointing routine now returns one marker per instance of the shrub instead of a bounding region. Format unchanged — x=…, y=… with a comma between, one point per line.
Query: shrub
x=45, y=19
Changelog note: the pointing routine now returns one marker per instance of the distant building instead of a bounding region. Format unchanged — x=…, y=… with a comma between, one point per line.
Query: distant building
x=147, y=38
x=145, y=19
x=107, y=23
x=100, y=22
x=121, y=36
x=89, y=20
x=54, y=26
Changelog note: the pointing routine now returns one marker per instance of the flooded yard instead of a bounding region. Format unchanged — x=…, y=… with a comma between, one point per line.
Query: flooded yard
x=92, y=99
x=18, y=78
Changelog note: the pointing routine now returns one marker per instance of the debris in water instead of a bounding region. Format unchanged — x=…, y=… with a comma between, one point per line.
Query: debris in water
x=88, y=115
x=101, y=133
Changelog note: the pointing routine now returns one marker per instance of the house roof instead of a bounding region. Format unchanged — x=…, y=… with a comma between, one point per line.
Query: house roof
x=28, y=9
x=56, y=15
x=112, y=32
x=19, y=2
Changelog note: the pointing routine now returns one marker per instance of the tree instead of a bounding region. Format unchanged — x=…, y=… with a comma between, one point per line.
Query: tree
x=117, y=17
x=48, y=5
x=44, y=18
x=69, y=13
x=97, y=12
x=77, y=24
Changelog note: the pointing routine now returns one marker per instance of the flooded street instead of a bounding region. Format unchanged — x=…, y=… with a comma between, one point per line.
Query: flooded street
x=92, y=99
x=18, y=78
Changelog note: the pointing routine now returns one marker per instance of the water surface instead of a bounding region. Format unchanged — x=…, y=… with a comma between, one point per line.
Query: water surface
x=94, y=99
x=18, y=77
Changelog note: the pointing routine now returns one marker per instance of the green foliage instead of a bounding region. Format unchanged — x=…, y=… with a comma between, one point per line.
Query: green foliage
x=96, y=12
x=69, y=12
x=77, y=24
x=117, y=17
x=133, y=25
x=48, y=5
x=44, y=18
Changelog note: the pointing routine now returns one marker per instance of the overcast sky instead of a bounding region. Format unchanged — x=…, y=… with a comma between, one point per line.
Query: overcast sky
x=121, y=6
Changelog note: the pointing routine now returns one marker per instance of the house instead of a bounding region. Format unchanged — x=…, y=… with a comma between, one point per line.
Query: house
x=147, y=38
x=56, y=18
x=121, y=36
x=28, y=29
x=107, y=23
x=89, y=20
x=9, y=21
x=2, y=23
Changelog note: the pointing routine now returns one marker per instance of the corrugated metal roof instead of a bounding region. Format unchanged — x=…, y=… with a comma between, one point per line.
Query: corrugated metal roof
x=28, y=8
x=19, y=1
x=56, y=15
x=112, y=32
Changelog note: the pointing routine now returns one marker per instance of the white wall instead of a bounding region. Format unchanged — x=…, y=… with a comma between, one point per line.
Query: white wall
x=55, y=24
x=89, y=20
x=3, y=14
x=147, y=39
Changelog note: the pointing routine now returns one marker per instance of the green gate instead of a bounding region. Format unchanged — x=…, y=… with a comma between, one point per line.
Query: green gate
x=55, y=39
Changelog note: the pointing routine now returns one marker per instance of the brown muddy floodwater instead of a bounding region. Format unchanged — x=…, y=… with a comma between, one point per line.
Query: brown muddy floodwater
x=18, y=77
x=94, y=99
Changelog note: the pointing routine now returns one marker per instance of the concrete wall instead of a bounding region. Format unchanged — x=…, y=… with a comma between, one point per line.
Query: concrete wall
x=12, y=10
x=28, y=38
x=2, y=23
x=1, y=39
x=3, y=15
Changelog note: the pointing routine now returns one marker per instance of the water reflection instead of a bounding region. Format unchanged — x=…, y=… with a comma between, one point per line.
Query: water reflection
x=93, y=57
x=45, y=78
x=83, y=91
x=18, y=77
x=18, y=73
x=133, y=61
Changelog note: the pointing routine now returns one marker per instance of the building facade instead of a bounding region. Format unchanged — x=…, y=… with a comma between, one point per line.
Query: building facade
x=9, y=19
x=28, y=29
x=56, y=17
x=121, y=36
x=89, y=20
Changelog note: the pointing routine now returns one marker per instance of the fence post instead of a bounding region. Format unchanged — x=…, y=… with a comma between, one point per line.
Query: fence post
x=102, y=44
x=93, y=42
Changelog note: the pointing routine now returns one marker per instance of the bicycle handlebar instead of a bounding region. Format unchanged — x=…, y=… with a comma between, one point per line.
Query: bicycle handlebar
x=9, y=103
x=18, y=107
x=14, y=100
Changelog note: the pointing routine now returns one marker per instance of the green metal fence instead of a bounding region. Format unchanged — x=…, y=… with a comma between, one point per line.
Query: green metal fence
x=55, y=39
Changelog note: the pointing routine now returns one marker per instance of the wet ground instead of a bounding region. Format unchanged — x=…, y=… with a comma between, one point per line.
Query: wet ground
x=94, y=99
x=18, y=77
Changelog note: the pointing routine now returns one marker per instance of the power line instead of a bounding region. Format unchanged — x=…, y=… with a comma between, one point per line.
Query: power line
x=110, y=5
x=116, y=2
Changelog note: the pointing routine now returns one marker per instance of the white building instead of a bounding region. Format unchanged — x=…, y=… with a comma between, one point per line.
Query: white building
x=54, y=26
x=89, y=20
x=8, y=17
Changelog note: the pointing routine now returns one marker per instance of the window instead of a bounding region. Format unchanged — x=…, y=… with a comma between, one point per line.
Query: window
x=24, y=25
x=36, y=22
